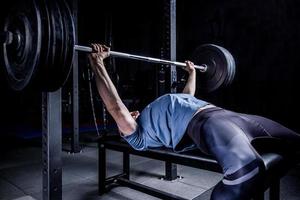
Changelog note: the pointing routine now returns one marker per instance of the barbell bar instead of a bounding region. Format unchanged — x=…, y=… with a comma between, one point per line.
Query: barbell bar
x=202, y=68
x=38, y=44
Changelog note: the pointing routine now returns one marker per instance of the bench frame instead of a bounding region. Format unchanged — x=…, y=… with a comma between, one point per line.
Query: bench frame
x=200, y=162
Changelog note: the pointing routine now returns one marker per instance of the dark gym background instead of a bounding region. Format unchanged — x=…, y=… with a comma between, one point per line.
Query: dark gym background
x=263, y=36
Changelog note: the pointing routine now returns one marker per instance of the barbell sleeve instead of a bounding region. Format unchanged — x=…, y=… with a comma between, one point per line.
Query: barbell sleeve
x=202, y=68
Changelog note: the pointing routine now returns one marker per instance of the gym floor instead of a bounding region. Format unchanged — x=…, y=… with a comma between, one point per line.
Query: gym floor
x=21, y=170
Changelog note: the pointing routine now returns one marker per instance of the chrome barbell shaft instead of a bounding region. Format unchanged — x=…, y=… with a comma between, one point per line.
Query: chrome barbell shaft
x=202, y=68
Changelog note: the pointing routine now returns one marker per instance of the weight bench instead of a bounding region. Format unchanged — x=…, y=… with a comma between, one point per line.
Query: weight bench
x=276, y=167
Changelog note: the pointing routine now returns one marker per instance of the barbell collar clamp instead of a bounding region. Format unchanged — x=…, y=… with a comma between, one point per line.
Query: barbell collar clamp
x=6, y=37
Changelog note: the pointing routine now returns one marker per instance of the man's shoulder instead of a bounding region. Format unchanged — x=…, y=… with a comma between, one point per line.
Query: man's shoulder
x=174, y=96
x=177, y=95
x=170, y=98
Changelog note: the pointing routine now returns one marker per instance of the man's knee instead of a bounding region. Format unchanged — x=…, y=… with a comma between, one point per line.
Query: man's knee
x=246, y=171
x=242, y=184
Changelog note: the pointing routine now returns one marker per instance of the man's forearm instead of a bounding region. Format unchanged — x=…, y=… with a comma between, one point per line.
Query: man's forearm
x=190, y=86
x=106, y=89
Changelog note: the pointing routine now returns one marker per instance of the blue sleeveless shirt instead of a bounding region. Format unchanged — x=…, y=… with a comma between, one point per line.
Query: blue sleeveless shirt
x=164, y=121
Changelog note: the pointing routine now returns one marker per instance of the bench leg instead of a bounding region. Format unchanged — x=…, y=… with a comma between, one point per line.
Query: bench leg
x=126, y=165
x=171, y=171
x=102, y=169
x=275, y=190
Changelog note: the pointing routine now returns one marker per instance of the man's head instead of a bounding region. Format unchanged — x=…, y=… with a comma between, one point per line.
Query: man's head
x=135, y=114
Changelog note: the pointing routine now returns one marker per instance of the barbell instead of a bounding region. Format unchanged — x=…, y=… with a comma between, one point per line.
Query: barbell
x=202, y=68
x=38, y=44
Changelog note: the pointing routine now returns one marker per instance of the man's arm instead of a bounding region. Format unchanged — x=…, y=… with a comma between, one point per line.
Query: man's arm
x=190, y=86
x=108, y=92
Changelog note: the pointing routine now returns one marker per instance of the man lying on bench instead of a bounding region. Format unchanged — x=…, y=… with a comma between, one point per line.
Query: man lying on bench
x=181, y=121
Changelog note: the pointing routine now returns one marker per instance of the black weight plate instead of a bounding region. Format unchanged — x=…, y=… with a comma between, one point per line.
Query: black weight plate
x=21, y=57
x=52, y=78
x=231, y=67
x=220, y=67
x=42, y=72
x=69, y=39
